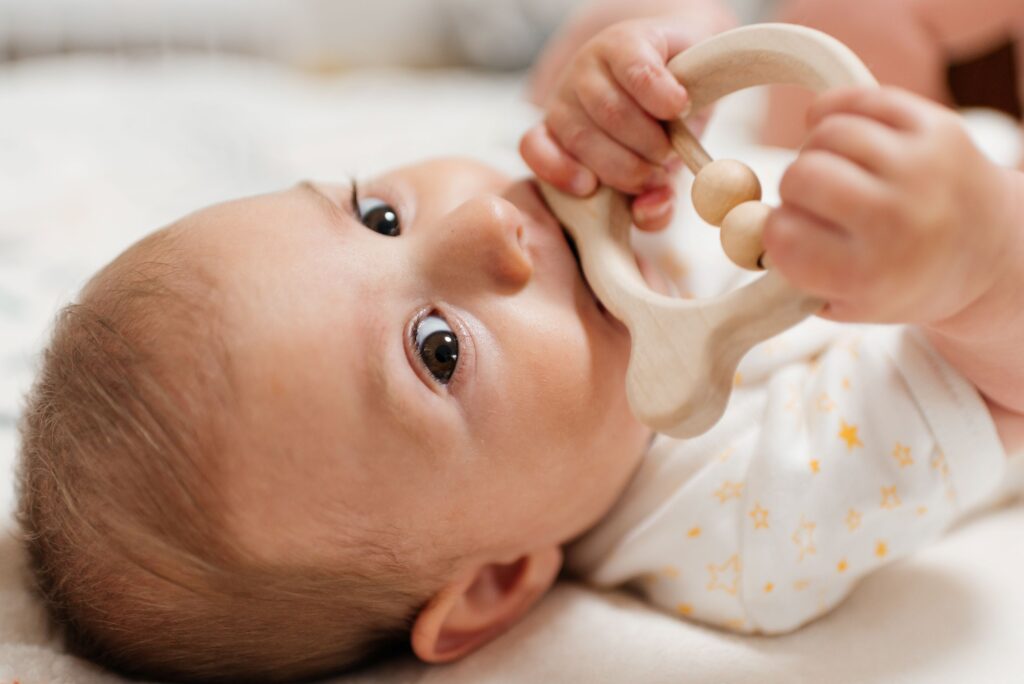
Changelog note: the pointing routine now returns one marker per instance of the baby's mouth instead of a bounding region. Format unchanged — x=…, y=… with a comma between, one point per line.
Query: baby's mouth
x=576, y=255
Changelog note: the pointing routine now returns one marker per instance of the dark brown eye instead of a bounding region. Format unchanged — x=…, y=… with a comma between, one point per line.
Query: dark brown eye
x=438, y=347
x=379, y=216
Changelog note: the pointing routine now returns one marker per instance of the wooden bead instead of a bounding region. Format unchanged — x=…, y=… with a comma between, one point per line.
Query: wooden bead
x=741, y=234
x=722, y=185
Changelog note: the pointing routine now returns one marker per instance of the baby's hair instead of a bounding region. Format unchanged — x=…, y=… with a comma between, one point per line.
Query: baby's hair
x=119, y=506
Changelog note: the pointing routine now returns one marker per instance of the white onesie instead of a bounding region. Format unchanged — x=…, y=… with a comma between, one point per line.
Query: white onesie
x=843, y=449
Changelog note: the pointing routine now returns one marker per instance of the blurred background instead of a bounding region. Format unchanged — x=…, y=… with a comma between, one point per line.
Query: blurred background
x=321, y=34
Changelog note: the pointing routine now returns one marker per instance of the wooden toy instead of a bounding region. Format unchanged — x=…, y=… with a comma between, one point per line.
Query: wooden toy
x=684, y=353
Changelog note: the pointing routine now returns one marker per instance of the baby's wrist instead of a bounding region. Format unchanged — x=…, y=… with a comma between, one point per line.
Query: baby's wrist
x=1000, y=302
x=984, y=339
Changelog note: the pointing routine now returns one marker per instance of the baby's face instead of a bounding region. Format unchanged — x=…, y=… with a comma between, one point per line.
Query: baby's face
x=428, y=361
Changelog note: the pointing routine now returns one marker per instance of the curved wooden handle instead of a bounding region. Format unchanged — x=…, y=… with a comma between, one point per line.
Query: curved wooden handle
x=684, y=353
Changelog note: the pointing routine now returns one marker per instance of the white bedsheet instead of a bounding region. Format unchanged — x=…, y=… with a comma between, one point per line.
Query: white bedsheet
x=95, y=153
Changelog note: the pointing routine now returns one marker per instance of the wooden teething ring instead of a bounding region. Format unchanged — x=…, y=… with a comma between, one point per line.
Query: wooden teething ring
x=684, y=353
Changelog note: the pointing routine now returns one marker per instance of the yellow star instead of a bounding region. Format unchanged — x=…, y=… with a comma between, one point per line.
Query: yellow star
x=902, y=455
x=853, y=520
x=693, y=533
x=922, y=510
x=881, y=549
x=670, y=571
x=684, y=609
x=760, y=517
x=803, y=537
x=729, y=570
x=729, y=490
x=939, y=463
x=848, y=433
x=793, y=403
x=890, y=499
x=842, y=565
x=737, y=379
x=846, y=383
x=768, y=587
x=825, y=403
x=950, y=494
x=815, y=466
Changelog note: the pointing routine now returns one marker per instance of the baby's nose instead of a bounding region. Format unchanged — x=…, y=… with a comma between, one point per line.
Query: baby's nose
x=480, y=245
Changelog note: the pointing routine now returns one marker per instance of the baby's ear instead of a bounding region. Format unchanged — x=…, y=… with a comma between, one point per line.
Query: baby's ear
x=481, y=604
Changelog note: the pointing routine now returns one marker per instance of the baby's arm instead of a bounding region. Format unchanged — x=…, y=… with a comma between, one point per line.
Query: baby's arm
x=820, y=473
x=891, y=214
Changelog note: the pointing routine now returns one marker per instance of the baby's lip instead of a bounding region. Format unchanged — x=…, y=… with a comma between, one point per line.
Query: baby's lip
x=567, y=236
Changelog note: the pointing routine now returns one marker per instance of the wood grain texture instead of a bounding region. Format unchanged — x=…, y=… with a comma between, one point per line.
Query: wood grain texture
x=684, y=353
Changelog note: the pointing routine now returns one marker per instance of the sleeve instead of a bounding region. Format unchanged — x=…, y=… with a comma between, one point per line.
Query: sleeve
x=844, y=463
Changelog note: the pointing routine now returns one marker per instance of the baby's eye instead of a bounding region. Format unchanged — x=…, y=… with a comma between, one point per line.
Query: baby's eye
x=378, y=216
x=437, y=346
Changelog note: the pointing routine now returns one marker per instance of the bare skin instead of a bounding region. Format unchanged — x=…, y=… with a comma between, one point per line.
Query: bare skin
x=889, y=213
x=342, y=423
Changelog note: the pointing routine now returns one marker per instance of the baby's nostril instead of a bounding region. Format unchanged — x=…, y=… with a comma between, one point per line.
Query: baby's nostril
x=519, y=235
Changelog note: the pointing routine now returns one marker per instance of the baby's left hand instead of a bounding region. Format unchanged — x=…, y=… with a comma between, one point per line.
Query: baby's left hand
x=890, y=212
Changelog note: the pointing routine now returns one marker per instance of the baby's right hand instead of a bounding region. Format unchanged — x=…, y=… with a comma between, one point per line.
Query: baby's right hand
x=603, y=123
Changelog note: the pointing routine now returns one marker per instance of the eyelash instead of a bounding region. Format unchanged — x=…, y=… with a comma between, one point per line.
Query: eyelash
x=412, y=347
x=461, y=336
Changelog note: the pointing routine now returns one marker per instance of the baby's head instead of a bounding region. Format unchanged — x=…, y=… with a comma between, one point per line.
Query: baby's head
x=285, y=433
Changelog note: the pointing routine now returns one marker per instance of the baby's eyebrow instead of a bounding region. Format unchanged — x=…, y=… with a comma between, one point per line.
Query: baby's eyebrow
x=336, y=209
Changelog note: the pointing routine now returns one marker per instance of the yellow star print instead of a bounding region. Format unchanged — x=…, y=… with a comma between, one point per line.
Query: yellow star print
x=684, y=609
x=902, y=455
x=890, y=499
x=939, y=463
x=881, y=549
x=759, y=516
x=825, y=403
x=848, y=433
x=729, y=490
x=693, y=533
x=842, y=565
x=853, y=520
x=725, y=576
x=815, y=466
x=803, y=537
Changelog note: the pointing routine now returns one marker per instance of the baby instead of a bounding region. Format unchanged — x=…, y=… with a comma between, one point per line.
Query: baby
x=292, y=432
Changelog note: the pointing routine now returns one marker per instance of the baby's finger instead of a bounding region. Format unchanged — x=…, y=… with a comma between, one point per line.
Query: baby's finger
x=618, y=115
x=642, y=73
x=652, y=211
x=552, y=163
x=832, y=189
x=891, y=106
x=811, y=254
x=861, y=140
x=614, y=165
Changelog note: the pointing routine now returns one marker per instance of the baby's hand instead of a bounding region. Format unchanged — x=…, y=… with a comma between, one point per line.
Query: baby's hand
x=603, y=121
x=889, y=212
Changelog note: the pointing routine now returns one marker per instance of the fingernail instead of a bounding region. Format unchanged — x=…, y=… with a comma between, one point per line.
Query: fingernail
x=648, y=212
x=582, y=184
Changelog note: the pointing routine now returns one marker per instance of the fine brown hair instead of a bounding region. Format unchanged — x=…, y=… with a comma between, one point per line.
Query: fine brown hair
x=118, y=479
